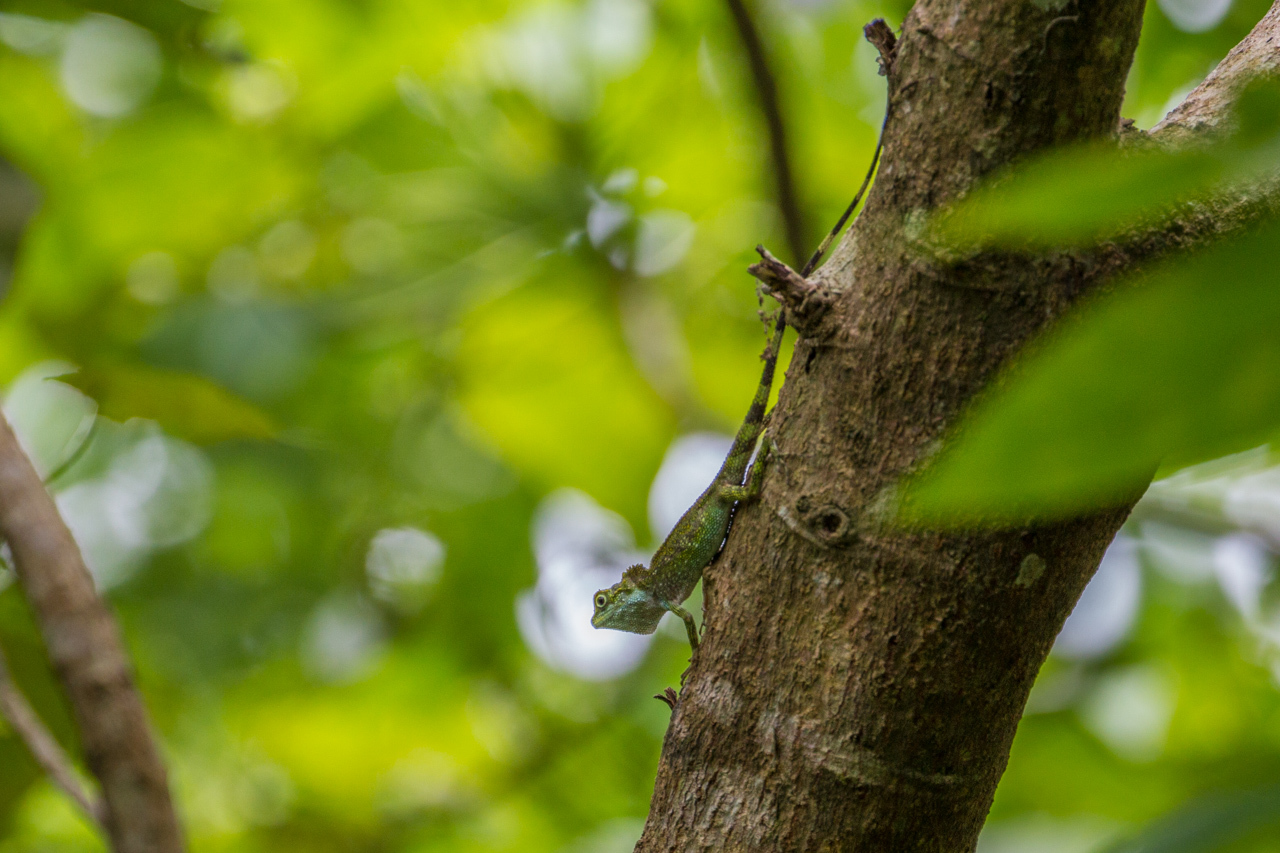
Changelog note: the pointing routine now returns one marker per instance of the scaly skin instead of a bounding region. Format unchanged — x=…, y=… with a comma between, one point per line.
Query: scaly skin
x=637, y=602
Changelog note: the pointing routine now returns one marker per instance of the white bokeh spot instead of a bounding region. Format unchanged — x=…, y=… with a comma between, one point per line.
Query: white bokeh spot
x=1108, y=607
x=691, y=462
x=580, y=547
x=1195, y=16
x=1130, y=710
x=109, y=66
x=403, y=565
x=344, y=639
x=662, y=240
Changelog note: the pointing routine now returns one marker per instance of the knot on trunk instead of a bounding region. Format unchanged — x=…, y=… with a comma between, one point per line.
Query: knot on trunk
x=805, y=302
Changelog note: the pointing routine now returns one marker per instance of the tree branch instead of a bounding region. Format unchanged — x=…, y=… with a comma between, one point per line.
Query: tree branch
x=1207, y=115
x=88, y=656
x=44, y=748
x=767, y=92
x=1209, y=106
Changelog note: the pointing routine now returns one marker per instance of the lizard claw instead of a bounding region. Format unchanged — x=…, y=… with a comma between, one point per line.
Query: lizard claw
x=668, y=696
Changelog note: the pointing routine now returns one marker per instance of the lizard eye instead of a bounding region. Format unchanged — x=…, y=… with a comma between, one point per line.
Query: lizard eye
x=601, y=600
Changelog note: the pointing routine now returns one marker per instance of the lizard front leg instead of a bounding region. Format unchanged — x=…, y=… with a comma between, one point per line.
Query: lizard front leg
x=689, y=625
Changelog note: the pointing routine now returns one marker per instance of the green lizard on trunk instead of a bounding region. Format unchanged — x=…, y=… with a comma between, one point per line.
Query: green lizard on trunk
x=637, y=602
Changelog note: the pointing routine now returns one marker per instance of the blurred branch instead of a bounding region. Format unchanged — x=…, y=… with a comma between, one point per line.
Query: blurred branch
x=1216, y=821
x=44, y=748
x=767, y=91
x=1209, y=106
x=885, y=42
x=89, y=658
x=1169, y=511
x=1206, y=113
x=1199, y=499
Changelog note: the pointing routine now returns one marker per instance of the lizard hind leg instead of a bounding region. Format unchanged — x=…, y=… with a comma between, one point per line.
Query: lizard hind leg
x=755, y=477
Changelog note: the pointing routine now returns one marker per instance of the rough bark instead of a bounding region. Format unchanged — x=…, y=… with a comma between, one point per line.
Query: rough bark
x=89, y=659
x=858, y=686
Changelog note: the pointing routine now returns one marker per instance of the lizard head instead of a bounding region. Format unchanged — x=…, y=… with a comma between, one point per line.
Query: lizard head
x=626, y=607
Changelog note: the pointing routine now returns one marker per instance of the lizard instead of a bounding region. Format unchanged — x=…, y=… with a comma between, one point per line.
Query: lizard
x=638, y=601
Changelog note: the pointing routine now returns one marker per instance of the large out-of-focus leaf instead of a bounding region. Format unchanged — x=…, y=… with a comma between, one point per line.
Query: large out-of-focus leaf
x=1207, y=824
x=1176, y=369
x=1077, y=195
x=1096, y=190
x=186, y=405
x=548, y=380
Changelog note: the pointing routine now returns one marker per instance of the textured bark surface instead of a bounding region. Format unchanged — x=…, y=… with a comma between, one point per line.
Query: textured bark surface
x=858, y=688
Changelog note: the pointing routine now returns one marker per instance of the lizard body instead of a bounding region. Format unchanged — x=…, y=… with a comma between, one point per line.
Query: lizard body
x=638, y=601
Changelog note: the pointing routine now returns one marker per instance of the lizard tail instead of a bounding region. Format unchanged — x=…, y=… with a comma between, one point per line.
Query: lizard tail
x=735, y=465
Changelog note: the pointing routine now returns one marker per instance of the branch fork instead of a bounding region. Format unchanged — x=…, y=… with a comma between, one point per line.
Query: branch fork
x=44, y=747
x=806, y=302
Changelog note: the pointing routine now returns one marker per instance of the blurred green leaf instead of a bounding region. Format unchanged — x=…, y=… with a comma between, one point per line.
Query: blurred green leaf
x=547, y=377
x=1207, y=824
x=1178, y=368
x=186, y=405
x=1096, y=190
x=1076, y=196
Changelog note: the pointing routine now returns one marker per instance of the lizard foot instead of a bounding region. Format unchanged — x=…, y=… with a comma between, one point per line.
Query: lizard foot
x=669, y=696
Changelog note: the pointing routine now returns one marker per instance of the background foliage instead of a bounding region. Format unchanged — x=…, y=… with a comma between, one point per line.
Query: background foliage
x=408, y=324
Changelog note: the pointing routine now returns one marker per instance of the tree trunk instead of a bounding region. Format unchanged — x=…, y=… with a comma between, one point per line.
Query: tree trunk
x=859, y=686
